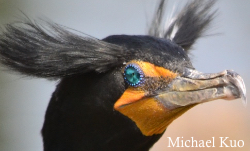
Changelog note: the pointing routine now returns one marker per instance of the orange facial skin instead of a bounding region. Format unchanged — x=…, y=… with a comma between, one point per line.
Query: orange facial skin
x=136, y=103
x=151, y=70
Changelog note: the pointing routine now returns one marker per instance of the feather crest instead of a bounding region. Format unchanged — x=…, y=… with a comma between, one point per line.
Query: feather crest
x=186, y=26
x=49, y=51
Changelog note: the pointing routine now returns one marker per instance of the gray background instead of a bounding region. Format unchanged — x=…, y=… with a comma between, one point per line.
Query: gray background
x=23, y=100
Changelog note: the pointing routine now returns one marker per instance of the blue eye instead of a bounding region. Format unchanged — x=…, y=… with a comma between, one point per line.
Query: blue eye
x=133, y=75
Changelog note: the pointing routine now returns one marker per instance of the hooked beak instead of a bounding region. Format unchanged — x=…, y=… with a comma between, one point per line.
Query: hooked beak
x=194, y=87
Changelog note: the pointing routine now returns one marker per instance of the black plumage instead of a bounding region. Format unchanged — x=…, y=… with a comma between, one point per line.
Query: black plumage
x=50, y=51
x=185, y=27
x=81, y=114
x=54, y=53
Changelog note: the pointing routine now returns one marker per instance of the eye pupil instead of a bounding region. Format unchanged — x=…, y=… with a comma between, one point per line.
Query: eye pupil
x=133, y=75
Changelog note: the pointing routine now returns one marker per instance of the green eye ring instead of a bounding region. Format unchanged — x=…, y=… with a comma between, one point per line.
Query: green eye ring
x=133, y=75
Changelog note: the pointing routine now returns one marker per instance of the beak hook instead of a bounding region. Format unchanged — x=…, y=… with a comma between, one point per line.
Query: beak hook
x=233, y=77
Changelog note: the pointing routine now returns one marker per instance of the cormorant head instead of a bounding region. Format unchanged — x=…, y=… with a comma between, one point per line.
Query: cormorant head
x=119, y=88
x=161, y=83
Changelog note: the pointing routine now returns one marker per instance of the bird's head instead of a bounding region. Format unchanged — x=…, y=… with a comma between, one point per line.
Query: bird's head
x=121, y=87
x=161, y=83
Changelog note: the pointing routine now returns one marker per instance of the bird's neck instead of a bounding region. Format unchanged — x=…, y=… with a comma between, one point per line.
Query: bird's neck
x=80, y=117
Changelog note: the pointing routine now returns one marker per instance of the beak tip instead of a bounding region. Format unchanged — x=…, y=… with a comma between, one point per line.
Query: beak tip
x=244, y=100
x=242, y=88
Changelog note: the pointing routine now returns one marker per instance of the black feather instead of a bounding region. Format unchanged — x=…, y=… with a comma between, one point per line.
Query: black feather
x=186, y=26
x=49, y=51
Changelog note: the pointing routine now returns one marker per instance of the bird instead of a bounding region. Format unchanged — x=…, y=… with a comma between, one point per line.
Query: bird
x=123, y=91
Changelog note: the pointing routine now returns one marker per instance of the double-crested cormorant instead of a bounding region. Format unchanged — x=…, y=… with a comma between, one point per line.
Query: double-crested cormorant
x=121, y=92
